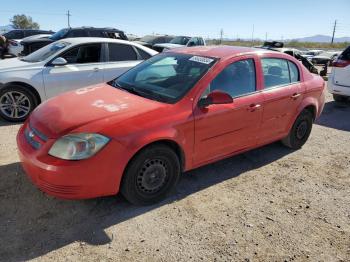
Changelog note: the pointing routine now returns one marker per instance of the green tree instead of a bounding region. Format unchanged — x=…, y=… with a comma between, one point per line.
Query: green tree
x=24, y=22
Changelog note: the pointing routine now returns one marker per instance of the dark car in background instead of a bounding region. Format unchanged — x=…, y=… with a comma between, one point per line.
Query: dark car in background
x=22, y=33
x=32, y=45
x=150, y=40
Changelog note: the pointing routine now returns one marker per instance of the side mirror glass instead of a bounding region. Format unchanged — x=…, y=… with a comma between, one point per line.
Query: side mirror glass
x=215, y=98
x=59, y=61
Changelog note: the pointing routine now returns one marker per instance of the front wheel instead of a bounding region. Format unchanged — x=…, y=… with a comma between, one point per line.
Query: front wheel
x=300, y=131
x=151, y=175
x=16, y=103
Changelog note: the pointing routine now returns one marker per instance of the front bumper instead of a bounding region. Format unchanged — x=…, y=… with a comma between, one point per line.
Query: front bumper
x=97, y=176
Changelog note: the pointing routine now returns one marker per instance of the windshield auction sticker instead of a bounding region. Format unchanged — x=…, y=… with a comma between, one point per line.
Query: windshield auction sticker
x=201, y=59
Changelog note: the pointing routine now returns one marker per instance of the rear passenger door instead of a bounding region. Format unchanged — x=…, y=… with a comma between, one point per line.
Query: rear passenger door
x=283, y=92
x=119, y=58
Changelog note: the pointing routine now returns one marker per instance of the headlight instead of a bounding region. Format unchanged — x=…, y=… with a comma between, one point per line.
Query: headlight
x=78, y=146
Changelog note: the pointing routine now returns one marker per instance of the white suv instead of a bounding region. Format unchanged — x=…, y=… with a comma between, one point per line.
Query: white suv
x=339, y=79
x=62, y=66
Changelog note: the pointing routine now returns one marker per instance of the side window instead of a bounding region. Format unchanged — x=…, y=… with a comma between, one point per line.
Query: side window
x=17, y=34
x=144, y=55
x=121, y=52
x=201, y=42
x=193, y=42
x=294, y=72
x=77, y=33
x=83, y=54
x=96, y=33
x=275, y=71
x=31, y=32
x=160, y=40
x=237, y=79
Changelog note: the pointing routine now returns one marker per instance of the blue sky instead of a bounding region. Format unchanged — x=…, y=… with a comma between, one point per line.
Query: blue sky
x=283, y=18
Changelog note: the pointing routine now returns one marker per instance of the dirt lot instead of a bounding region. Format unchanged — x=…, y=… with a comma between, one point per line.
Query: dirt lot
x=270, y=204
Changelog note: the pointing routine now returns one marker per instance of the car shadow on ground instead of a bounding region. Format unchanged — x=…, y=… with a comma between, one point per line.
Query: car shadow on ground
x=33, y=224
x=6, y=123
x=335, y=115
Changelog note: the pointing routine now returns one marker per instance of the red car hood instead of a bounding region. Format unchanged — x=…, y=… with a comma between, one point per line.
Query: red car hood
x=66, y=112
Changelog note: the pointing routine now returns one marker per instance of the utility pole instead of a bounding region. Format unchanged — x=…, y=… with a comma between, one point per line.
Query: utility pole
x=265, y=36
x=253, y=36
x=221, y=35
x=335, y=26
x=68, y=17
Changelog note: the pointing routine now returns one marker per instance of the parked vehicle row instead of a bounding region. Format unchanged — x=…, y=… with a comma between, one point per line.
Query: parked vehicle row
x=24, y=45
x=174, y=112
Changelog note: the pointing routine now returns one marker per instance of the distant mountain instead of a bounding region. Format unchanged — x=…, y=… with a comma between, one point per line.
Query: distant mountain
x=322, y=39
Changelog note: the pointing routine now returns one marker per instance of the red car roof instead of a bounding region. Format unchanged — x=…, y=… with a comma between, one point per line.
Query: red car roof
x=218, y=51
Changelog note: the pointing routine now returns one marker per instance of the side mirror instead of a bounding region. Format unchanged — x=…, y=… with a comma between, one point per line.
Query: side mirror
x=59, y=61
x=215, y=98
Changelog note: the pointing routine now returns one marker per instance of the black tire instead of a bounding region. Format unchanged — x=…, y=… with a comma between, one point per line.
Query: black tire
x=151, y=175
x=339, y=98
x=8, y=108
x=300, y=131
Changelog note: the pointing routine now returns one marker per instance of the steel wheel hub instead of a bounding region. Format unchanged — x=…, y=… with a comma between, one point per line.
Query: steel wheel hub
x=302, y=129
x=152, y=176
x=14, y=104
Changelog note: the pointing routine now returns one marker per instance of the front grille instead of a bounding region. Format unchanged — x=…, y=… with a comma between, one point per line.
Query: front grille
x=38, y=133
x=34, y=137
x=63, y=190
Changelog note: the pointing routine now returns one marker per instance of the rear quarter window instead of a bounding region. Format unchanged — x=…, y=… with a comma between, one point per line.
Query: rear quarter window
x=294, y=72
x=121, y=52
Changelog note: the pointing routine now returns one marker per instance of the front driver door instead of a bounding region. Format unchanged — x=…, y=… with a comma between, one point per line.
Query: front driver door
x=84, y=68
x=221, y=130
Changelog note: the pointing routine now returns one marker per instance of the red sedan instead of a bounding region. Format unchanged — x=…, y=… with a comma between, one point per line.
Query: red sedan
x=174, y=112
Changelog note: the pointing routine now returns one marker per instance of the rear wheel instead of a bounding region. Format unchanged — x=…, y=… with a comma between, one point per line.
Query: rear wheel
x=151, y=175
x=16, y=103
x=300, y=131
x=339, y=98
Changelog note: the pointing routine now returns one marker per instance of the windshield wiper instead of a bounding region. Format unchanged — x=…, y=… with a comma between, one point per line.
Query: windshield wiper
x=140, y=92
x=128, y=89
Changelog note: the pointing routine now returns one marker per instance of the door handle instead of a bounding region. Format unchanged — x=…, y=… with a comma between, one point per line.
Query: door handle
x=253, y=107
x=295, y=96
x=96, y=69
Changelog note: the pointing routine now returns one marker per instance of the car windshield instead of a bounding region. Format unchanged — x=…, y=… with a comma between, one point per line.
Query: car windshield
x=148, y=38
x=59, y=35
x=180, y=40
x=45, y=52
x=165, y=77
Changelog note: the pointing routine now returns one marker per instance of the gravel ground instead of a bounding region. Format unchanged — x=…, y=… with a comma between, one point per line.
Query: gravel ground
x=270, y=204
